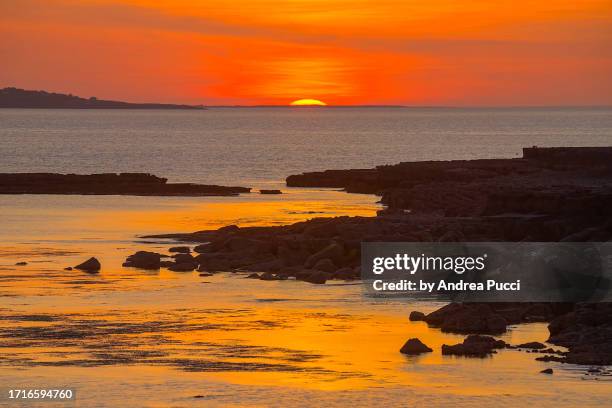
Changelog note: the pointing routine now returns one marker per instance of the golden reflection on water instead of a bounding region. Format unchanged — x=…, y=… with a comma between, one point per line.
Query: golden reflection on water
x=236, y=341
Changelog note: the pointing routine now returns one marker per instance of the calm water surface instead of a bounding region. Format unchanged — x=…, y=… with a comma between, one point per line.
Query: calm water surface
x=127, y=337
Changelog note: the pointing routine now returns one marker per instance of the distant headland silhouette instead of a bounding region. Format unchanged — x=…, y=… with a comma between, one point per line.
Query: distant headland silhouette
x=22, y=98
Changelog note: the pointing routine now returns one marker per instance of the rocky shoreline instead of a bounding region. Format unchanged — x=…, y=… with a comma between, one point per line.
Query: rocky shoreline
x=549, y=195
x=138, y=184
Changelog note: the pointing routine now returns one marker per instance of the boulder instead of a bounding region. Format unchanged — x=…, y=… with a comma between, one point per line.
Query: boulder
x=474, y=346
x=325, y=265
x=467, y=318
x=414, y=346
x=183, y=267
x=143, y=260
x=22, y=263
x=90, y=265
x=547, y=371
x=416, y=316
x=180, y=249
x=184, y=258
x=318, y=277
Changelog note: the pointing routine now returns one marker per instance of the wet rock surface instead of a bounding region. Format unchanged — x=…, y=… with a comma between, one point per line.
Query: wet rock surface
x=474, y=346
x=414, y=346
x=91, y=265
x=587, y=332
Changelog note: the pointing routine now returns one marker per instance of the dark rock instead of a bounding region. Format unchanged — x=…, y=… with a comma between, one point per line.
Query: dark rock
x=22, y=263
x=318, y=277
x=216, y=265
x=467, y=318
x=180, y=249
x=551, y=358
x=202, y=248
x=183, y=267
x=253, y=276
x=267, y=276
x=586, y=332
x=416, y=316
x=90, y=265
x=414, y=346
x=474, y=346
x=547, y=371
x=333, y=252
x=143, y=260
x=68, y=268
x=325, y=265
x=184, y=258
x=206, y=274
x=534, y=345
x=270, y=191
x=344, y=274
x=139, y=184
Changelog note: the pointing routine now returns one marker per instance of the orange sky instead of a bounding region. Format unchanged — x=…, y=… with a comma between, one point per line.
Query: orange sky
x=425, y=52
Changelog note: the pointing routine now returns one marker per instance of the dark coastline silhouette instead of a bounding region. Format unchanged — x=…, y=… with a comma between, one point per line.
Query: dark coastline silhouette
x=21, y=98
x=138, y=184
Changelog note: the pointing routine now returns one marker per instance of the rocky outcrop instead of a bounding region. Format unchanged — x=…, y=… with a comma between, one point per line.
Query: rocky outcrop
x=587, y=332
x=91, y=265
x=474, y=346
x=144, y=260
x=414, y=346
x=416, y=316
x=491, y=318
x=139, y=184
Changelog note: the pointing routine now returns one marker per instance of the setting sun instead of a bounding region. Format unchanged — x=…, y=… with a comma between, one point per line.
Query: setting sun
x=308, y=102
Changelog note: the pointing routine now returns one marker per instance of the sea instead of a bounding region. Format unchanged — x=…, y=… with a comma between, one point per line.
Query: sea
x=126, y=337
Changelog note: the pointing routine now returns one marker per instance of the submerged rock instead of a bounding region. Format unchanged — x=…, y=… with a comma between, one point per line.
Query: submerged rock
x=416, y=316
x=414, y=346
x=270, y=192
x=22, y=263
x=534, y=345
x=90, y=265
x=547, y=371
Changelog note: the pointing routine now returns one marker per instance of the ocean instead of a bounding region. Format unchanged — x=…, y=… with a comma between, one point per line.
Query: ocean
x=262, y=146
x=127, y=337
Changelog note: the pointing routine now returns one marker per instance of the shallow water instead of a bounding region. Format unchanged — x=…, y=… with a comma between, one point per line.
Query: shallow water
x=126, y=337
